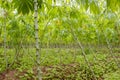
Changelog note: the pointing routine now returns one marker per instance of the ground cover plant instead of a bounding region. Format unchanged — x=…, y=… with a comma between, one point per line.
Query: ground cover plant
x=62, y=65
x=59, y=39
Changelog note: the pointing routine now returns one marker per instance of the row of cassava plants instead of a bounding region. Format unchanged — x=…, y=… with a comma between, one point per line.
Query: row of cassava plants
x=69, y=21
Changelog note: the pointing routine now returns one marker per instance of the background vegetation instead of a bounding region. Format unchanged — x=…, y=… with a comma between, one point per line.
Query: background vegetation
x=78, y=39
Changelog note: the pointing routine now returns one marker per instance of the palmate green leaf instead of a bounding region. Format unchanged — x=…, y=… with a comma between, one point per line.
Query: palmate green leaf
x=84, y=3
x=25, y=6
x=108, y=3
x=5, y=4
x=53, y=11
x=49, y=1
x=39, y=3
x=74, y=13
x=94, y=8
x=113, y=5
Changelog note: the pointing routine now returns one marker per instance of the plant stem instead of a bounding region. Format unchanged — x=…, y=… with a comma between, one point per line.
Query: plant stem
x=5, y=46
x=37, y=39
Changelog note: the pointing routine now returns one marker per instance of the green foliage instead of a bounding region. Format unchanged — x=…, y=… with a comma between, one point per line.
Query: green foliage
x=114, y=5
x=55, y=22
x=94, y=7
x=93, y=21
x=52, y=68
x=112, y=76
x=25, y=6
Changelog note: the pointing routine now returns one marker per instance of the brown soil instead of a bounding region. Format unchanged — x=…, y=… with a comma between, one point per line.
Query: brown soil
x=66, y=69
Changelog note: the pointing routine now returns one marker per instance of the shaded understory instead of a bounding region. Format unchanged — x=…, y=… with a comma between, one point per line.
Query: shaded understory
x=61, y=64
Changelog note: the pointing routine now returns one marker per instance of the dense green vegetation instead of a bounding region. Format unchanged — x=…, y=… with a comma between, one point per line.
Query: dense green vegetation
x=59, y=39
